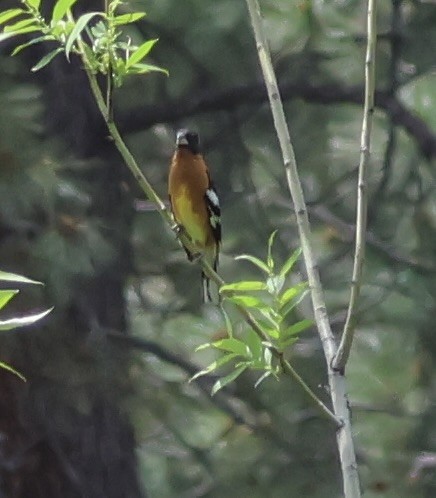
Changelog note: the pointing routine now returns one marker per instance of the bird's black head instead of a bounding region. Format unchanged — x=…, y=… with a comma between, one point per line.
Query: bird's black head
x=188, y=139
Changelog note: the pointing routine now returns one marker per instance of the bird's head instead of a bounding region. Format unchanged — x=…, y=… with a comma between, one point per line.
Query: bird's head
x=188, y=139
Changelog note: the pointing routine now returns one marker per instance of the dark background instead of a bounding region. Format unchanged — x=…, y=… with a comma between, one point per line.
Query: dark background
x=106, y=415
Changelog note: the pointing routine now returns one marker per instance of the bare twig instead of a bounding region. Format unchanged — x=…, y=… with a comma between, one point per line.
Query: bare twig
x=336, y=379
x=362, y=194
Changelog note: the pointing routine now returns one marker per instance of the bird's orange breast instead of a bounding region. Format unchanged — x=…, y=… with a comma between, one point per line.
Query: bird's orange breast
x=188, y=182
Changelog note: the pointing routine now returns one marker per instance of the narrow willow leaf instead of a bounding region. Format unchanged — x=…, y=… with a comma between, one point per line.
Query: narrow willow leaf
x=246, y=285
x=142, y=51
x=13, y=277
x=12, y=28
x=47, y=59
x=256, y=261
x=296, y=328
x=9, y=14
x=229, y=325
x=287, y=267
x=39, y=39
x=214, y=366
x=61, y=8
x=272, y=332
x=23, y=31
x=275, y=284
x=80, y=25
x=273, y=318
x=254, y=344
x=262, y=378
x=293, y=292
x=287, y=308
x=128, y=18
x=246, y=301
x=232, y=345
x=287, y=343
x=6, y=296
x=14, y=323
x=220, y=383
x=7, y=367
x=34, y=3
x=270, y=260
x=141, y=68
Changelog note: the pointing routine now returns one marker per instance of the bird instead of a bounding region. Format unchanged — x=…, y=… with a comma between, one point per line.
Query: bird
x=194, y=201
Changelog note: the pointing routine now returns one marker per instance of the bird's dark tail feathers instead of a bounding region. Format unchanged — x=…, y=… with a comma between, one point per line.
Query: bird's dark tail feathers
x=205, y=280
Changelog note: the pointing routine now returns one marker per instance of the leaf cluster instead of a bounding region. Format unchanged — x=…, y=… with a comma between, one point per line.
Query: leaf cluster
x=99, y=34
x=271, y=303
x=5, y=296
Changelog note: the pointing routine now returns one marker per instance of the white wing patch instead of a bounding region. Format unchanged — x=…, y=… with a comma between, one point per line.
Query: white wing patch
x=213, y=198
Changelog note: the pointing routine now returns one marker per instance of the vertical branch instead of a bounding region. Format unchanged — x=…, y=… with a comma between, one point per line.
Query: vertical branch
x=395, y=52
x=362, y=194
x=336, y=379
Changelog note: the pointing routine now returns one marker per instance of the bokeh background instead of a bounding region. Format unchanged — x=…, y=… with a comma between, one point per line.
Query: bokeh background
x=107, y=410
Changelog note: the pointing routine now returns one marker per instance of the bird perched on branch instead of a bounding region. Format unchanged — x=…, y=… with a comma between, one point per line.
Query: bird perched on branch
x=194, y=201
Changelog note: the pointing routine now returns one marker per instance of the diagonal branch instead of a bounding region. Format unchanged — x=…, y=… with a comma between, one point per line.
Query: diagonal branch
x=336, y=379
x=362, y=194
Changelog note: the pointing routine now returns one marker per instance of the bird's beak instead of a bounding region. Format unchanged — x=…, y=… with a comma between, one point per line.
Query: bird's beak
x=181, y=138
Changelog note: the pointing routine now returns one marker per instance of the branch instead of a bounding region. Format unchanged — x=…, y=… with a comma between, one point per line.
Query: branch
x=336, y=379
x=229, y=99
x=362, y=195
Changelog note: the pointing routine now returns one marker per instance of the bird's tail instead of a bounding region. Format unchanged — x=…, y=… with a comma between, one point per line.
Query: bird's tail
x=212, y=258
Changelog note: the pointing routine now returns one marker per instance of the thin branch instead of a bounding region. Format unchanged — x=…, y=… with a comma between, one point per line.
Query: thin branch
x=336, y=379
x=362, y=195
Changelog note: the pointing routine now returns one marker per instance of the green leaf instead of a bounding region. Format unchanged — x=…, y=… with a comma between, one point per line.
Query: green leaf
x=275, y=284
x=268, y=329
x=246, y=285
x=39, y=39
x=214, y=366
x=287, y=343
x=246, y=301
x=273, y=318
x=296, y=328
x=23, y=31
x=229, y=326
x=34, y=3
x=256, y=261
x=232, y=345
x=292, y=292
x=270, y=260
x=220, y=383
x=262, y=378
x=12, y=28
x=47, y=59
x=61, y=8
x=140, y=53
x=7, y=367
x=287, y=267
x=14, y=323
x=80, y=25
x=287, y=308
x=128, y=18
x=141, y=68
x=13, y=277
x=6, y=296
x=254, y=344
x=9, y=14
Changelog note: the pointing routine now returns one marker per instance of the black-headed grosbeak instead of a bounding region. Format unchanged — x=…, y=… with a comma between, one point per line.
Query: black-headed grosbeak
x=194, y=201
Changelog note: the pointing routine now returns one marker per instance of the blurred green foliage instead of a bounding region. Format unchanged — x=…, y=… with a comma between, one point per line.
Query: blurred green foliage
x=71, y=216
